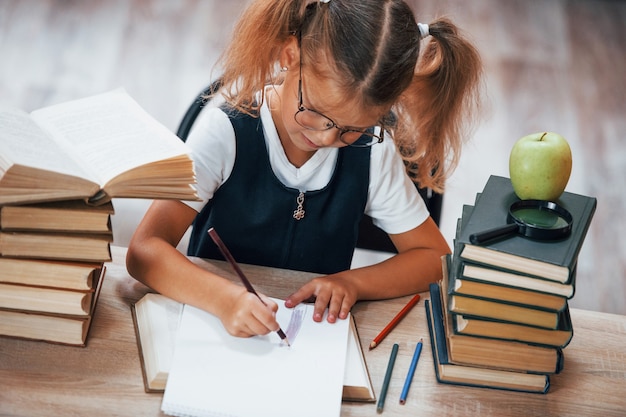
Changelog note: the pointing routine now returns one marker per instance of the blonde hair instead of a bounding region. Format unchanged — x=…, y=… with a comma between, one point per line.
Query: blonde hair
x=374, y=46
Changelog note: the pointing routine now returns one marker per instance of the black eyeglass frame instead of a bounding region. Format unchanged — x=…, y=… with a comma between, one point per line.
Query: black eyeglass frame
x=357, y=143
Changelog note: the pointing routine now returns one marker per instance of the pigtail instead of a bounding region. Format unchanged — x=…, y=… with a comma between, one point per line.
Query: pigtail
x=251, y=60
x=439, y=105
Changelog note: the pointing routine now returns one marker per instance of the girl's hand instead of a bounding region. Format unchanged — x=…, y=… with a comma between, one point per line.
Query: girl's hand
x=334, y=292
x=245, y=315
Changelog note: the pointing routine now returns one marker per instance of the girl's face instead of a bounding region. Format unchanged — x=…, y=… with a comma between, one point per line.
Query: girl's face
x=319, y=114
x=311, y=102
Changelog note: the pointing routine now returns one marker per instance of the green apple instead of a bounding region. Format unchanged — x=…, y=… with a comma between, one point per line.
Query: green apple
x=540, y=165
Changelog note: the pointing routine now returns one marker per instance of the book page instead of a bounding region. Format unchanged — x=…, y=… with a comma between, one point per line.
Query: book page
x=23, y=142
x=357, y=385
x=214, y=373
x=109, y=134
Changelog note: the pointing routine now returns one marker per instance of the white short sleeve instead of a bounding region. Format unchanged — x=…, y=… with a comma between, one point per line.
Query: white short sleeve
x=213, y=149
x=394, y=203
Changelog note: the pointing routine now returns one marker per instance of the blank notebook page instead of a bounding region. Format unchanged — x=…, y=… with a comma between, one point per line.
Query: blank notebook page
x=215, y=374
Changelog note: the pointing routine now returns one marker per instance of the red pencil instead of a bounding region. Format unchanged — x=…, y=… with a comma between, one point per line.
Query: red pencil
x=393, y=323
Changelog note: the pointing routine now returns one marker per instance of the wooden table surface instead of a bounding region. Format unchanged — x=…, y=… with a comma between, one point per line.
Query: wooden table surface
x=42, y=379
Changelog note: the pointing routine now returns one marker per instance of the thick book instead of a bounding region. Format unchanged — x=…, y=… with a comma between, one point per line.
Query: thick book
x=79, y=276
x=45, y=300
x=53, y=328
x=94, y=149
x=75, y=216
x=156, y=320
x=473, y=376
x=214, y=373
x=482, y=275
x=493, y=353
x=502, y=311
x=55, y=246
x=491, y=291
x=495, y=329
x=552, y=260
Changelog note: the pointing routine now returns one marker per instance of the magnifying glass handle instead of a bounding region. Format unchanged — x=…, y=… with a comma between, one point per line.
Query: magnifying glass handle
x=500, y=231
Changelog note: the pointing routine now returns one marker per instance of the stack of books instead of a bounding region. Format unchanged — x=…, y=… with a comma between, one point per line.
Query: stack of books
x=51, y=268
x=60, y=166
x=499, y=318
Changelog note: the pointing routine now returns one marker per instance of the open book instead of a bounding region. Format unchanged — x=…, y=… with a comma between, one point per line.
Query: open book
x=94, y=149
x=156, y=319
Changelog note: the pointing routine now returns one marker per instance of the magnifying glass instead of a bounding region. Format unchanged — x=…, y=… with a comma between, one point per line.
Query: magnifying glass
x=536, y=219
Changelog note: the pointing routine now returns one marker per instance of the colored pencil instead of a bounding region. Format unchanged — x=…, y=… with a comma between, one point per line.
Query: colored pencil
x=409, y=376
x=393, y=323
x=383, y=390
x=222, y=247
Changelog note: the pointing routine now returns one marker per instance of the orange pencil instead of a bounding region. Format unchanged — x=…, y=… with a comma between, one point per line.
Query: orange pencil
x=393, y=323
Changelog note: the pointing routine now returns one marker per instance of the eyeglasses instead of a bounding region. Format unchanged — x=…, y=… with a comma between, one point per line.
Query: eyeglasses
x=316, y=121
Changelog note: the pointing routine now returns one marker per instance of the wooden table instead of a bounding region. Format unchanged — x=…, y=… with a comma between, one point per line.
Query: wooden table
x=41, y=379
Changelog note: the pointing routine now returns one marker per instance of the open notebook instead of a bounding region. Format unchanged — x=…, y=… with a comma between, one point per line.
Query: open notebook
x=156, y=320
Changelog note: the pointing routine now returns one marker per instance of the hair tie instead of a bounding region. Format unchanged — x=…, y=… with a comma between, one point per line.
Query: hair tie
x=424, y=30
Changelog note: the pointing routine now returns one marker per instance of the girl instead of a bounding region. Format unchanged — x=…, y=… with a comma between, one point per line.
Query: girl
x=331, y=112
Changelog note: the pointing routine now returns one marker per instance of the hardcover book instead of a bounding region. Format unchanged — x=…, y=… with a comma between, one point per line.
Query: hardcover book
x=79, y=276
x=45, y=300
x=95, y=148
x=552, y=260
x=501, y=311
x=538, y=292
x=55, y=246
x=73, y=216
x=495, y=291
x=480, y=327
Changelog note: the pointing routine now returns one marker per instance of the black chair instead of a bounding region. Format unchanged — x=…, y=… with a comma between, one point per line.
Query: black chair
x=370, y=236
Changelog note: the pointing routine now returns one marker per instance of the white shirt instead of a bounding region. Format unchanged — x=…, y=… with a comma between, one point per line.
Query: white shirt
x=393, y=201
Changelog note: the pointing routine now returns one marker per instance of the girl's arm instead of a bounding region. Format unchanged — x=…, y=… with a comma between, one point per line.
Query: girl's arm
x=154, y=260
x=417, y=264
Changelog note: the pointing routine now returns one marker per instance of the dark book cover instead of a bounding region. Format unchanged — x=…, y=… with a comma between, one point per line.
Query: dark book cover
x=501, y=274
x=554, y=259
x=449, y=373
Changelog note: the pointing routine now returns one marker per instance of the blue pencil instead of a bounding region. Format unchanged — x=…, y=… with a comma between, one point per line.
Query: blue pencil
x=409, y=376
x=383, y=390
